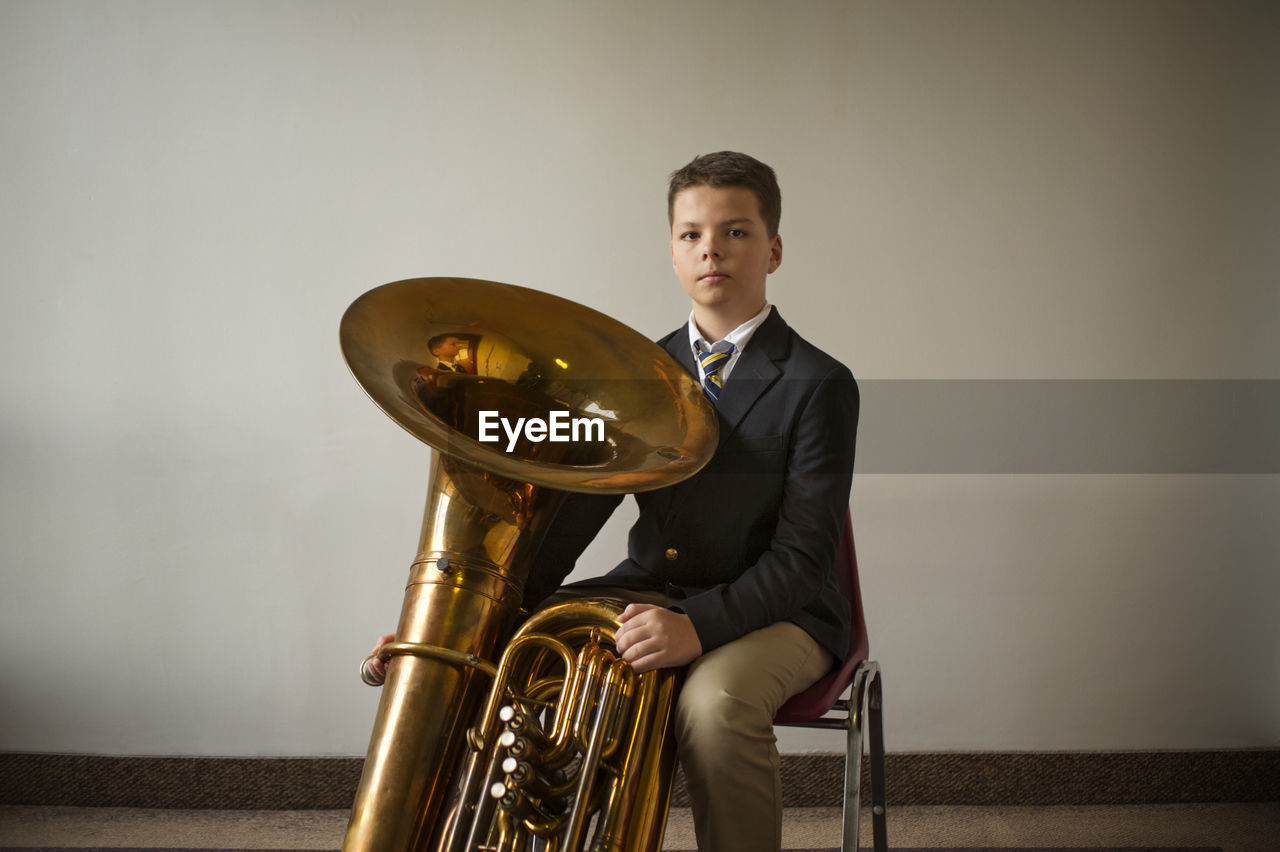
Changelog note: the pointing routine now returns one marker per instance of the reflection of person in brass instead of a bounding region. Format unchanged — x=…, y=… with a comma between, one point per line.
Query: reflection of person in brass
x=731, y=571
x=446, y=348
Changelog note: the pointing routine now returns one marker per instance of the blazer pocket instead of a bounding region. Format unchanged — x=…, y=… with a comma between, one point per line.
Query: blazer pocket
x=754, y=444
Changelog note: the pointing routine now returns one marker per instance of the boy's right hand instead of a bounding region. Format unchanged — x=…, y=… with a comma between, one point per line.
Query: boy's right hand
x=374, y=670
x=653, y=637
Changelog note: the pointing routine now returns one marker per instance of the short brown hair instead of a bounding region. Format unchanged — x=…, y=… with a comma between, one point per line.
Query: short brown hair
x=730, y=168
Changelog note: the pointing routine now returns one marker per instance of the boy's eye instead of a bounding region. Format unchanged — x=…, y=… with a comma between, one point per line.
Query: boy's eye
x=737, y=232
x=689, y=235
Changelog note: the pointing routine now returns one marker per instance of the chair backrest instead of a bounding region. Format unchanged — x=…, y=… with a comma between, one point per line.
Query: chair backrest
x=819, y=698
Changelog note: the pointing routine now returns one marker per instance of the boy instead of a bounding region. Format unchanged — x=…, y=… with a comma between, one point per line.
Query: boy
x=446, y=348
x=731, y=571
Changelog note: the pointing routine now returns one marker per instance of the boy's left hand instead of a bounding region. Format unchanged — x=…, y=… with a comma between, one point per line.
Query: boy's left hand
x=653, y=637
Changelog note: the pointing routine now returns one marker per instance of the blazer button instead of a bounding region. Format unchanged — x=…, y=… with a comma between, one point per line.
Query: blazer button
x=672, y=554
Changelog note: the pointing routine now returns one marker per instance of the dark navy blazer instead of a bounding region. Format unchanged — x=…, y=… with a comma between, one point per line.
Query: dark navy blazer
x=751, y=539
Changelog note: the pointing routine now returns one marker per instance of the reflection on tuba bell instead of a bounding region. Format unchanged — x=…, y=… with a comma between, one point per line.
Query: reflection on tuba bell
x=570, y=744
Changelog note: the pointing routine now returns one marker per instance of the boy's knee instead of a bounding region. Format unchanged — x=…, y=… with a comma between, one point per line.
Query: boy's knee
x=707, y=717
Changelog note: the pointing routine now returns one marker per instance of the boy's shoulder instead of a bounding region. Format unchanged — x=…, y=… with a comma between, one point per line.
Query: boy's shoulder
x=813, y=360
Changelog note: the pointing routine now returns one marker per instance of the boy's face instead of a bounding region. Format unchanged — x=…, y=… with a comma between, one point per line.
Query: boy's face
x=447, y=348
x=721, y=249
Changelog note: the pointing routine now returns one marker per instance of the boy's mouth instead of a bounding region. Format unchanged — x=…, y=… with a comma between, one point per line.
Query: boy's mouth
x=715, y=276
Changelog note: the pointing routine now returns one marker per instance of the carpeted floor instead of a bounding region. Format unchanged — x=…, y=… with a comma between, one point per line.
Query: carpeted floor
x=152, y=848
x=1253, y=827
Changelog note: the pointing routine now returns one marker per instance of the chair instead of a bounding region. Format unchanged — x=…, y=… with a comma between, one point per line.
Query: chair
x=821, y=706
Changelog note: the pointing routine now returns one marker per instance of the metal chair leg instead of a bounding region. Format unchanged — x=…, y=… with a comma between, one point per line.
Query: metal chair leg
x=853, y=763
x=865, y=702
x=875, y=714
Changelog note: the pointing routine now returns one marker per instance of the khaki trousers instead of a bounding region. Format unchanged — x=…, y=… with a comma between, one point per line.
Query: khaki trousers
x=724, y=727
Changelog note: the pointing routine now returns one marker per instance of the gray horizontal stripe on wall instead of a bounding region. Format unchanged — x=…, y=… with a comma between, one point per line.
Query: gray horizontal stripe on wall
x=1069, y=426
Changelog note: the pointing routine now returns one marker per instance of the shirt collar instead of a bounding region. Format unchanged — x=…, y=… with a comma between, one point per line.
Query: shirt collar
x=738, y=337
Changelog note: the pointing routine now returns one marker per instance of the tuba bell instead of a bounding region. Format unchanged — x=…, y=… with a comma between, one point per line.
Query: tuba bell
x=544, y=739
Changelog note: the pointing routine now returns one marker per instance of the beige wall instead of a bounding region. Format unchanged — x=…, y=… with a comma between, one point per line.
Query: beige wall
x=204, y=523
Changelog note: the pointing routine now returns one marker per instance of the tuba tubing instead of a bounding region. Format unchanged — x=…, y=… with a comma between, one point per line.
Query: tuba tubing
x=609, y=720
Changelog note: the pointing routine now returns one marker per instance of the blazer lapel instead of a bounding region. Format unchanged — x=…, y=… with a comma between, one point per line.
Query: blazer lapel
x=677, y=344
x=752, y=375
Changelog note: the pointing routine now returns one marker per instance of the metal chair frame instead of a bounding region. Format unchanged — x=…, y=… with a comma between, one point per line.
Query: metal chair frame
x=821, y=706
x=847, y=714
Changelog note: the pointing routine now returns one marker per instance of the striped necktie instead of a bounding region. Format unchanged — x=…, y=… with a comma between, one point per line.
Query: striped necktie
x=712, y=362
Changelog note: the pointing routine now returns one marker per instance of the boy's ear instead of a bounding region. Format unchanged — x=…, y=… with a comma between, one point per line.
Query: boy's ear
x=775, y=253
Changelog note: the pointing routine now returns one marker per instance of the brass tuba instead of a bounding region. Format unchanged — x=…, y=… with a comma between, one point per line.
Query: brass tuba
x=559, y=739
